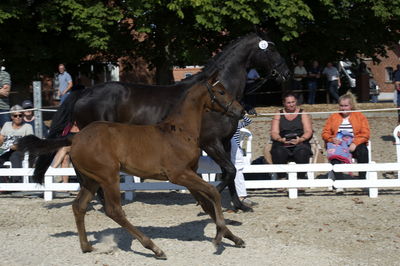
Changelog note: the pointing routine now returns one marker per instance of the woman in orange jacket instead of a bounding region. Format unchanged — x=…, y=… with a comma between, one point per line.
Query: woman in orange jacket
x=353, y=122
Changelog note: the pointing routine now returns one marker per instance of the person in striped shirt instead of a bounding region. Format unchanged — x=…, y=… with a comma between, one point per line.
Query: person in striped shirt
x=354, y=123
x=238, y=160
x=5, y=87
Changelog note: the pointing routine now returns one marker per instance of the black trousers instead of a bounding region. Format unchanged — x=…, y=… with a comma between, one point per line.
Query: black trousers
x=360, y=154
x=300, y=154
x=16, y=158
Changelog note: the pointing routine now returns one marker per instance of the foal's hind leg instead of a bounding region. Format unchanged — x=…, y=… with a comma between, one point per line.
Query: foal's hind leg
x=79, y=208
x=114, y=211
x=210, y=201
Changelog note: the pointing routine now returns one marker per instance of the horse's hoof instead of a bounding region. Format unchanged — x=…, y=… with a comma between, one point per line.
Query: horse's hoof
x=216, y=243
x=240, y=243
x=245, y=208
x=87, y=249
x=161, y=256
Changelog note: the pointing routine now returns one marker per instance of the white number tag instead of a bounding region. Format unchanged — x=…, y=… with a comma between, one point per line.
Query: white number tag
x=263, y=44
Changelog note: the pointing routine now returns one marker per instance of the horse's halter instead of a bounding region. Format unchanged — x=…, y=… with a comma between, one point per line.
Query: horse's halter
x=263, y=45
x=215, y=99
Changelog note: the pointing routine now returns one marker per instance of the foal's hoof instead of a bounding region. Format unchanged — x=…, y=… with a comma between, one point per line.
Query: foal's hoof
x=161, y=256
x=87, y=249
x=240, y=243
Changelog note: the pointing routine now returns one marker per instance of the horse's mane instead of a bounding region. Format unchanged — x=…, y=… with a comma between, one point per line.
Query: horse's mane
x=220, y=59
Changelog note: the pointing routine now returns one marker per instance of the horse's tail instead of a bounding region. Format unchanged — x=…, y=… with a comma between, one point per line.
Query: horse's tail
x=59, y=122
x=63, y=116
x=38, y=146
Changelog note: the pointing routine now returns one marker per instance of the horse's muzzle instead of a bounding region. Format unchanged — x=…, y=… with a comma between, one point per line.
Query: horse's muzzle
x=236, y=110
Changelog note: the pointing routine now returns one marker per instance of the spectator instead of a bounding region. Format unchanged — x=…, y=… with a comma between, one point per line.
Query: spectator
x=291, y=131
x=5, y=87
x=396, y=80
x=299, y=74
x=333, y=80
x=353, y=124
x=238, y=161
x=65, y=83
x=10, y=132
x=29, y=118
x=62, y=156
x=314, y=74
x=373, y=89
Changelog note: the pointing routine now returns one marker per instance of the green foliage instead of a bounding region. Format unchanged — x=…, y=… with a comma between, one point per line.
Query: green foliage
x=41, y=33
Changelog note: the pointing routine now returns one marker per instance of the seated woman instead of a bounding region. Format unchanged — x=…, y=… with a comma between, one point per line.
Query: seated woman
x=291, y=131
x=10, y=132
x=348, y=129
x=62, y=156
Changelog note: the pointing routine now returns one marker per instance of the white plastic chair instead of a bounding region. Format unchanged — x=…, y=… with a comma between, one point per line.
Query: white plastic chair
x=245, y=140
x=246, y=137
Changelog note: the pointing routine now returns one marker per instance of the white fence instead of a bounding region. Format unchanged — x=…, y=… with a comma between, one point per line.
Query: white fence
x=372, y=182
x=208, y=169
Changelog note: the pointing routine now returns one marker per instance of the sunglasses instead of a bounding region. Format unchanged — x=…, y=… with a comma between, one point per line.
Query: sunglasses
x=17, y=115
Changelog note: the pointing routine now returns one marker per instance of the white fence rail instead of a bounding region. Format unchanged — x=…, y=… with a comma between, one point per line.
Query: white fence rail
x=372, y=182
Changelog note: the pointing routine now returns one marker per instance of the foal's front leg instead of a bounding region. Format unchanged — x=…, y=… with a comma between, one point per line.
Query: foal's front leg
x=114, y=210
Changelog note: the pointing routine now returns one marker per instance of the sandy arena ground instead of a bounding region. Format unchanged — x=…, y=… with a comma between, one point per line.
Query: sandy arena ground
x=318, y=228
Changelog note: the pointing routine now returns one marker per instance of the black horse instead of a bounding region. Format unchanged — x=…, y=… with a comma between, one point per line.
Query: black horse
x=144, y=104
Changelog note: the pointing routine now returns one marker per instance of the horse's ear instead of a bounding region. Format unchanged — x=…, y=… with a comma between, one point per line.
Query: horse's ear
x=257, y=30
x=260, y=31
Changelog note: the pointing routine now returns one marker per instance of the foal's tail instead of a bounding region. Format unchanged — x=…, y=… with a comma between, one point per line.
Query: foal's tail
x=59, y=121
x=37, y=146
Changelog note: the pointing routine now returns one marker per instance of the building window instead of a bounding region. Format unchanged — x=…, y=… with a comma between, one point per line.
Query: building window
x=389, y=74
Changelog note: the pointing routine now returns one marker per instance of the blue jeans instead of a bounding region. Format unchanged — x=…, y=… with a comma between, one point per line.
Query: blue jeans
x=312, y=91
x=64, y=97
x=4, y=117
x=333, y=87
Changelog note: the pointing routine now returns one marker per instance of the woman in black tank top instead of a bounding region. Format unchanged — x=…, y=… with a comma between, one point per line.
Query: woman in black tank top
x=291, y=131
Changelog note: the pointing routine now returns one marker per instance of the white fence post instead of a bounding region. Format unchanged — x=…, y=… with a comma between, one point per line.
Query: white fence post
x=129, y=194
x=372, y=176
x=397, y=144
x=48, y=195
x=292, y=176
x=25, y=164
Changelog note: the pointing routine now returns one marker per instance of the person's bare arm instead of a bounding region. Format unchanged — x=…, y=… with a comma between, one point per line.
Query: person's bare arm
x=5, y=90
x=275, y=129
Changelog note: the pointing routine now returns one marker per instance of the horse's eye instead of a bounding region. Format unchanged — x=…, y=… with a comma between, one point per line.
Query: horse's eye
x=222, y=92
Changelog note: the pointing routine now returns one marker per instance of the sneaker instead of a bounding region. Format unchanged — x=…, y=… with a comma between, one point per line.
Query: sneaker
x=248, y=202
x=339, y=190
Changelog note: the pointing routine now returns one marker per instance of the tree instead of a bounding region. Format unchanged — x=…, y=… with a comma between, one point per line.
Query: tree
x=40, y=33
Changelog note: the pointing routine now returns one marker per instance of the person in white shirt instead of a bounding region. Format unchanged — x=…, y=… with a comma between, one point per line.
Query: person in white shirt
x=9, y=134
x=333, y=78
x=299, y=74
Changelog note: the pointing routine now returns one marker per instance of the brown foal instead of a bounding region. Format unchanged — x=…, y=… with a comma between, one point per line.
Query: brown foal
x=166, y=151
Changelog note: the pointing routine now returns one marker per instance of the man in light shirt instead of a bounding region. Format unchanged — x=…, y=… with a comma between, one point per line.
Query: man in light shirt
x=299, y=74
x=333, y=78
x=65, y=82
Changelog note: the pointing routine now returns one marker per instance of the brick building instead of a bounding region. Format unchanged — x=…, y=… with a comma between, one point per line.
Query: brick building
x=181, y=73
x=383, y=71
